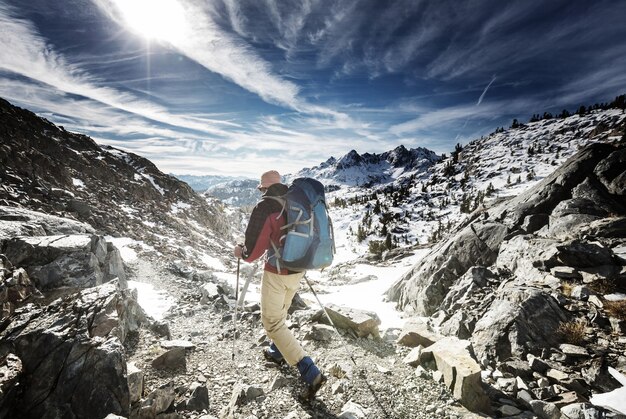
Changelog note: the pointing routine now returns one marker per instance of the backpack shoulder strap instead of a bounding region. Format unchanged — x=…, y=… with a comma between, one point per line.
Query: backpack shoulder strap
x=282, y=201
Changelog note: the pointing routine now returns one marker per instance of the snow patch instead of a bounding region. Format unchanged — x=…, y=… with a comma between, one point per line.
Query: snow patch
x=179, y=206
x=154, y=302
x=156, y=186
x=128, y=247
x=212, y=262
x=614, y=400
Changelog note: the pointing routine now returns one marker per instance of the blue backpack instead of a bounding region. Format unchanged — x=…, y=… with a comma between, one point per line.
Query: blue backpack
x=309, y=241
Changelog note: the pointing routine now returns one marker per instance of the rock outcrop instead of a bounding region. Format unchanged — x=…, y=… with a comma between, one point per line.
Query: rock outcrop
x=527, y=276
x=71, y=355
x=76, y=261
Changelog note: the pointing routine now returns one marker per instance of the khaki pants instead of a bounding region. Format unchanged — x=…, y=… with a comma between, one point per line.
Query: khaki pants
x=277, y=291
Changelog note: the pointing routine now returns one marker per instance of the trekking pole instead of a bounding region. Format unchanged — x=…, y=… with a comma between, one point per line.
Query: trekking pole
x=345, y=345
x=235, y=317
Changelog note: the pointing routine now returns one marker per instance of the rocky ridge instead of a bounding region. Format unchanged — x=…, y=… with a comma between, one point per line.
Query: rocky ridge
x=47, y=169
x=537, y=285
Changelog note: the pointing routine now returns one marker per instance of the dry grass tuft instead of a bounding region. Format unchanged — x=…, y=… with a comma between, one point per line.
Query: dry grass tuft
x=567, y=287
x=572, y=332
x=616, y=309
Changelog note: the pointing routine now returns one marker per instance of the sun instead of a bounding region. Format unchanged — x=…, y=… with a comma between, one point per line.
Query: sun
x=162, y=20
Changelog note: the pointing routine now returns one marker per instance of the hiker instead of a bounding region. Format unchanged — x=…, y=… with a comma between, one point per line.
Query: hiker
x=278, y=285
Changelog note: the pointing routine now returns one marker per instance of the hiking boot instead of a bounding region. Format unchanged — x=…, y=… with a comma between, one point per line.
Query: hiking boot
x=269, y=357
x=311, y=375
x=314, y=387
x=272, y=354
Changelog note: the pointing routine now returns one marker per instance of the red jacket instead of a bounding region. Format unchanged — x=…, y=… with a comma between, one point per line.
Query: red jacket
x=264, y=228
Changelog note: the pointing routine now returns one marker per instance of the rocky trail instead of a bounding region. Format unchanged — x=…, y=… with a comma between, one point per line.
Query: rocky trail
x=249, y=386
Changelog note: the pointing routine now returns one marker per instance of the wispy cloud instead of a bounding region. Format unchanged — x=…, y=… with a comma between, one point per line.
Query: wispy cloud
x=25, y=53
x=482, y=96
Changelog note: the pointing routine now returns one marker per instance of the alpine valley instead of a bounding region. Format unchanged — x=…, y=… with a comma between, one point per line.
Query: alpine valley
x=489, y=281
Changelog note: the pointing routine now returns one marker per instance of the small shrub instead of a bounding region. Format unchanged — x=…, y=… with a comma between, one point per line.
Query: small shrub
x=603, y=286
x=572, y=332
x=616, y=309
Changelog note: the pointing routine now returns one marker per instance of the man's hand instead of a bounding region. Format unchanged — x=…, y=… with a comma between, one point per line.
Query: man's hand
x=238, y=251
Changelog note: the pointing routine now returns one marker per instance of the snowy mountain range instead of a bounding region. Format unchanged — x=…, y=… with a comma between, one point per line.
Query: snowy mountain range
x=419, y=208
x=201, y=183
x=370, y=169
x=352, y=170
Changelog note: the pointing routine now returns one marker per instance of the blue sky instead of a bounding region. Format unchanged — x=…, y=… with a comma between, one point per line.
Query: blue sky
x=235, y=87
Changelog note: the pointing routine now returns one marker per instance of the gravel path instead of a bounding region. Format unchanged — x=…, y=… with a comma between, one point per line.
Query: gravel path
x=400, y=392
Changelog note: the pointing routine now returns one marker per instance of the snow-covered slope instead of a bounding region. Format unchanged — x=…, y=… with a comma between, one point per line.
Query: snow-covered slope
x=421, y=207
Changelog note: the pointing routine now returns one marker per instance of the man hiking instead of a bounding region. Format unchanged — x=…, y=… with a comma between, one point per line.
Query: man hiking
x=279, y=285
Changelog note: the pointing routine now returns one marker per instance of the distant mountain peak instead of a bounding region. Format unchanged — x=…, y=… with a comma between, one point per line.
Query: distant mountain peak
x=368, y=169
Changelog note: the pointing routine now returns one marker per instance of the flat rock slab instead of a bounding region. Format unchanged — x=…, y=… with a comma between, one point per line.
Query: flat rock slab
x=177, y=343
x=416, y=332
x=461, y=372
x=573, y=350
x=361, y=322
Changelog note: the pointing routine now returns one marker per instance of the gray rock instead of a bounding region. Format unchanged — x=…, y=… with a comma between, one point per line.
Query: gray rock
x=580, y=411
x=557, y=375
x=209, y=292
x=321, y=333
x=241, y=395
x=413, y=357
x=425, y=286
x=537, y=364
x=545, y=410
x=23, y=222
x=458, y=325
x=568, y=226
x=580, y=292
x=608, y=227
x=565, y=272
x=362, y=323
x=199, y=399
x=65, y=261
x=473, y=280
x=178, y=343
x=534, y=222
x=527, y=257
x=171, y=359
x=516, y=319
x=279, y=382
x=81, y=373
x=620, y=253
x=11, y=369
x=157, y=401
x=352, y=410
x=609, y=173
x=461, y=372
x=573, y=350
x=578, y=206
x=135, y=382
x=16, y=289
x=416, y=332
x=507, y=410
x=582, y=254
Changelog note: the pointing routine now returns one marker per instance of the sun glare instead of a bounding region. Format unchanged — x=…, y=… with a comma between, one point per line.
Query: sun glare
x=163, y=20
